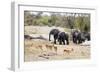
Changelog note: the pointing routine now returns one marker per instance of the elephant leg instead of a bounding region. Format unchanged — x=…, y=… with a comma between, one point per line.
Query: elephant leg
x=55, y=38
x=54, y=41
x=60, y=42
x=79, y=41
x=67, y=41
x=73, y=40
x=63, y=42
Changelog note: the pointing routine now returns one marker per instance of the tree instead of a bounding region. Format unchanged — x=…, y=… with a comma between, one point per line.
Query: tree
x=53, y=18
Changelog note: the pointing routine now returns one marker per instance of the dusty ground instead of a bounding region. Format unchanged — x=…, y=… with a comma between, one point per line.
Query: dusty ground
x=39, y=49
x=36, y=50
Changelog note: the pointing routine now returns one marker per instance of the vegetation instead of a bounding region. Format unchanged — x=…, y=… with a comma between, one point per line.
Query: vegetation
x=79, y=21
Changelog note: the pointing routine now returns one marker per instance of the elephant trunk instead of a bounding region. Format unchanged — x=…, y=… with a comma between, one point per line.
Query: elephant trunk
x=49, y=36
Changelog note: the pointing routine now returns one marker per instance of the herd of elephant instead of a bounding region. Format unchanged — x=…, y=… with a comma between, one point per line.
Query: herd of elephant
x=77, y=36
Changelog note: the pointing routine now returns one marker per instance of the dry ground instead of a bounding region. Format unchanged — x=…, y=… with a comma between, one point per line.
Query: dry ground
x=36, y=50
x=40, y=50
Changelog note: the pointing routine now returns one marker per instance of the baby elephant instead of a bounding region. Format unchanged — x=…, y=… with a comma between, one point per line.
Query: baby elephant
x=62, y=37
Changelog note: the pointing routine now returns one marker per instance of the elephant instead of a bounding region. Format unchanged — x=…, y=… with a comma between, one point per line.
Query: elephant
x=62, y=36
x=79, y=37
x=75, y=34
x=55, y=33
x=87, y=36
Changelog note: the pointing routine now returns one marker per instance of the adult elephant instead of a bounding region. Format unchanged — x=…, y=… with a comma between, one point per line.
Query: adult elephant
x=87, y=36
x=81, y=37
x=75, y=34
x=78, y=37
x=62, y=37
x=55, y=33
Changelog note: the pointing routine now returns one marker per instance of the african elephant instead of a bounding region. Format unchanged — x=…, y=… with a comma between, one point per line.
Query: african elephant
x=79, y=37
x=62, y=37
x=55, y=33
